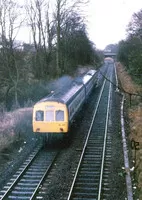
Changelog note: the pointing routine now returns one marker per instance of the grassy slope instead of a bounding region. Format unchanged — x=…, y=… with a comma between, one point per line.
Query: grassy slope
x=135, y=121
x=15, y=125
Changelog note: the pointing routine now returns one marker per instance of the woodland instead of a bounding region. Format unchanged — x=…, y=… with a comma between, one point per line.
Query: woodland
x=130, y=49
x=58, y=44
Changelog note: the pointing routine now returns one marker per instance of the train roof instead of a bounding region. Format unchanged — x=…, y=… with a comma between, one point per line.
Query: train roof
x=88, y=76
x=65, y=95
x=62, y=96
x=91, y=72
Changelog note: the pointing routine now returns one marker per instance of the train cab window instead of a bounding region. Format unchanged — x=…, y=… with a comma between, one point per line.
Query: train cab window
x=49, y=116
x=39, y=115
x=59, y=115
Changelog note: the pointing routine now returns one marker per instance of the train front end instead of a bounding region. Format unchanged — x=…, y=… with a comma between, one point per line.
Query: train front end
x=50, y=117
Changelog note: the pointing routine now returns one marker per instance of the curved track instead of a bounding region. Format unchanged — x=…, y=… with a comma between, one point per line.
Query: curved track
x=27, y=180
x=93, y=172
x=92, y=168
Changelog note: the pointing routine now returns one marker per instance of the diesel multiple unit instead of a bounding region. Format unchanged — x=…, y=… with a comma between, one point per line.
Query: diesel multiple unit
x=55, y=113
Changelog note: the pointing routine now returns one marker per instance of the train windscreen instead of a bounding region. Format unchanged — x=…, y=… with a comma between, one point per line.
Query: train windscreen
x=39, y=115
x=49, y=116
x=59, y=115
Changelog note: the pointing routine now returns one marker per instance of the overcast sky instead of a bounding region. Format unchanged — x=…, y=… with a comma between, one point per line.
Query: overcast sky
x=108, y=19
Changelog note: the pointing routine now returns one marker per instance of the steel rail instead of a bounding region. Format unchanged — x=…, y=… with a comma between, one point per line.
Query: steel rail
x=43, y=177
x=86, y=141
x=21, y=173
x=32, y=194
x=104, y=146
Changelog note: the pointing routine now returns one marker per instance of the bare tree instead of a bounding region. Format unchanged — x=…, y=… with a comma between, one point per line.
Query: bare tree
x=9, y=25
x=135, y=26
x=63, y=11
x=43, y=32
x=33, y=9
x=47, y=23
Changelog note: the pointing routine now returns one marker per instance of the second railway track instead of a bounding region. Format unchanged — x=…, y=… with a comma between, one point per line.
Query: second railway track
x=87, y=183
x=91, y=178
x=26, y=181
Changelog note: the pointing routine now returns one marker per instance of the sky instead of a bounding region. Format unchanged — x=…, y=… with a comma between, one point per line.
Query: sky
x=108, y=20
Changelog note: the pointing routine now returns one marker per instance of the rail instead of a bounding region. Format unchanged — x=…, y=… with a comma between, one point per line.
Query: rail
x=87, y=182
x=27, y=180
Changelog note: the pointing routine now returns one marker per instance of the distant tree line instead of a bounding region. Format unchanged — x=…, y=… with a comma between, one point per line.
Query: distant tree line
x=59, y=44
x=112, y=47
x=130, y=50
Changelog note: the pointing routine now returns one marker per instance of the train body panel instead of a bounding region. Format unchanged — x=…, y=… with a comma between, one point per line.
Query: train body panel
x=51, y=116
x=76, y=103
x=89, y=81
x=55, y=113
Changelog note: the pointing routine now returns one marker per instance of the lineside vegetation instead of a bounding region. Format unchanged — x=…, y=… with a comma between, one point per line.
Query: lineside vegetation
x=135, y=125
x=130, y=75
x=130, y=50
x=58, y=44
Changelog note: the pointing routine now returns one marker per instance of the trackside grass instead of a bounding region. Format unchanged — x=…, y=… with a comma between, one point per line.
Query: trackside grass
x=135, y=123
x=15, y=125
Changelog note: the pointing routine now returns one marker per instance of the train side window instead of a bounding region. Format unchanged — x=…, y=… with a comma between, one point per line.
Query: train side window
x=39, y=115
x=59, y=115
x=49, y=116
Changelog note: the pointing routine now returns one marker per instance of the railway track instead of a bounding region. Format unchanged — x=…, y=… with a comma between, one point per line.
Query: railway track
x=26, y=181
x=91, y=176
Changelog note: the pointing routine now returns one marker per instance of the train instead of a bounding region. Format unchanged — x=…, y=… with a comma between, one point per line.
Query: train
x=56, y=112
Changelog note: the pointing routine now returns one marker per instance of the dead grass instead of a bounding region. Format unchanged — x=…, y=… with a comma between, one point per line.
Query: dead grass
x=135, y=115
x=14, y=125
x=135, y=120
x=126, y=80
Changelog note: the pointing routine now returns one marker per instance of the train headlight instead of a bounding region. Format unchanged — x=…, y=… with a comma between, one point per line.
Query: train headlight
x=61, y=129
